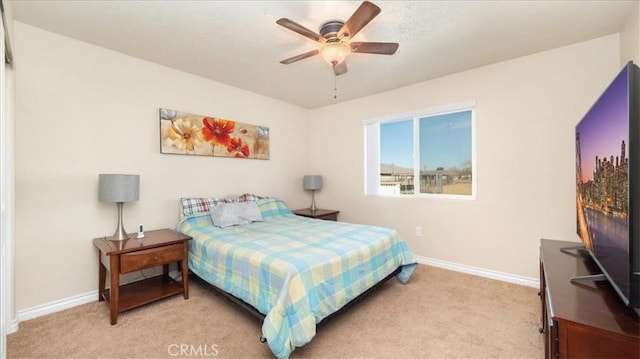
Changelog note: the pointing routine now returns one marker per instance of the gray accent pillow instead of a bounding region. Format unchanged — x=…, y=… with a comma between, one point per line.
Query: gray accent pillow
x=236, y=213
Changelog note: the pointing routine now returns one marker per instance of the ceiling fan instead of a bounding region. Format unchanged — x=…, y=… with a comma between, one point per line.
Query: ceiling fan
x=335, y=38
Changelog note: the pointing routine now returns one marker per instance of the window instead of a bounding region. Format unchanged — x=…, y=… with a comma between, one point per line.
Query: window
x=435, y=146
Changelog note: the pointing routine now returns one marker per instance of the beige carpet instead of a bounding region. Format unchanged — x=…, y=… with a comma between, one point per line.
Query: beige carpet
x=439, y=314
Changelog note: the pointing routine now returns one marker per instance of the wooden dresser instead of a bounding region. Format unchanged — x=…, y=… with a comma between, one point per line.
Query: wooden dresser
x=586, y=320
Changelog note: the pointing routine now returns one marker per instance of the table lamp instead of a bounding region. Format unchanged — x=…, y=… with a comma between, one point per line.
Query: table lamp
x=119, y=188
x=312, y=183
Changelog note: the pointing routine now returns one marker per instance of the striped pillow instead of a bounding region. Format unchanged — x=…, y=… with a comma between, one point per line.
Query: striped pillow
x=191, y=205
x=249, y=197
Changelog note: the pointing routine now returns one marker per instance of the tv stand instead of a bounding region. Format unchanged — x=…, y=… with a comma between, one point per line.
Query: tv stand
x=577, y=251
x=587, y=278
x=586, y=319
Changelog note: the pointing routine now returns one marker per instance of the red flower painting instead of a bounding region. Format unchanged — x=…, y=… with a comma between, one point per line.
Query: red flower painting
x=238, y=149
x=217, y=130
x=202, y=135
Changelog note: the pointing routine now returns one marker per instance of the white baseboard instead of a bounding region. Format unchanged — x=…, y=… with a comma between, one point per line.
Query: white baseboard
x=13, y=326
x=76, y=300
x=56, y=306
x=481, y=272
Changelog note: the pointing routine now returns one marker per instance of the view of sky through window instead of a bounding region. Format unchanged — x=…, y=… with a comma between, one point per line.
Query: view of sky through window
x=396, y=143
x=445, y=141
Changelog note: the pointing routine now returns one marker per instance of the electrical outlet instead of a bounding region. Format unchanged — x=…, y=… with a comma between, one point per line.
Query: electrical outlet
x=418, y=231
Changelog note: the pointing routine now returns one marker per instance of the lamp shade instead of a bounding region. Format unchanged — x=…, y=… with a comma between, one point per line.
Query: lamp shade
x=312, y=182
x=118, y=187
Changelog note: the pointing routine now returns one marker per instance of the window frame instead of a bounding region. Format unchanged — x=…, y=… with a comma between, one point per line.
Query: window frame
x=373, y=154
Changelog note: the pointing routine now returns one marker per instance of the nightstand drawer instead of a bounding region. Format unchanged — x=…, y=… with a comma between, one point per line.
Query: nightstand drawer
x=329, y=217
x=151, y=258
x=326, y=214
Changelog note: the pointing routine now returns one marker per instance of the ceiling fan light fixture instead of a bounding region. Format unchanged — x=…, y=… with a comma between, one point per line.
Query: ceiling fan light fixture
x=335, y=52
x=334, y=38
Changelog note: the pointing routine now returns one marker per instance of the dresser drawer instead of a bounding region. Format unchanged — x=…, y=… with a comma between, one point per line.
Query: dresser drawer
x=151, y=258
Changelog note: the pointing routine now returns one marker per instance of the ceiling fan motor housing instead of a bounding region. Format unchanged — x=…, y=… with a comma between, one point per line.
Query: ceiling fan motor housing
x=329, y=30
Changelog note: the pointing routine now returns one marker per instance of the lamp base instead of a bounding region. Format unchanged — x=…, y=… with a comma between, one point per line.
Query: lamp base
x=120, y=234
x=313, y=207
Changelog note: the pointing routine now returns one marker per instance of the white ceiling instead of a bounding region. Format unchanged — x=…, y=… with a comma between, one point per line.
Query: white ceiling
x=240, y=44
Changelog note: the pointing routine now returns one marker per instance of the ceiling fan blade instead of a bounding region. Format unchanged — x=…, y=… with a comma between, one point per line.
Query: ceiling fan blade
x=299, y=57
x=339, y=69
x=360, y=18
x=295, y=27
x=381, y=48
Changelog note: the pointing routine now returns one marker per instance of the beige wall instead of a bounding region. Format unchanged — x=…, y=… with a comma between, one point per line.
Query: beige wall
x=630, y=38
x=526, y=112
x=83, y=110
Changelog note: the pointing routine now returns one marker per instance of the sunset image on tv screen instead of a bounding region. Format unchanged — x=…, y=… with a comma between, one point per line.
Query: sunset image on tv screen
x=602, y=173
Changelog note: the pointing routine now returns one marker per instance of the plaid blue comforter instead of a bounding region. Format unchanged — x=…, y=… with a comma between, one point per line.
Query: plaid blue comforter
x=294, y=270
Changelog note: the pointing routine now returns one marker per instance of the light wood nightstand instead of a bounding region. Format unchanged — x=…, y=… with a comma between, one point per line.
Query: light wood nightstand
x=326, y=214
x=159, y=247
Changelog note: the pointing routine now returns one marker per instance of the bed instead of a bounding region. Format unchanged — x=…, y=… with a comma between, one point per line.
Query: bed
x=294, y=270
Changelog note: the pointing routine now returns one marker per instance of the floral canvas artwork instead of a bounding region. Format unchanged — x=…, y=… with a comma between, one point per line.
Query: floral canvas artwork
x=190, y=134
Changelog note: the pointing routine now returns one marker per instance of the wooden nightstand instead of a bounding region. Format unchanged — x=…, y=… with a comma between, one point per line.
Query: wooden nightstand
x=326, y=214
x=159, y=247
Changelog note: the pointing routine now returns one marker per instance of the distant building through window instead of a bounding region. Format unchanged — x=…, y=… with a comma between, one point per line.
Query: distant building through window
x=392, y=175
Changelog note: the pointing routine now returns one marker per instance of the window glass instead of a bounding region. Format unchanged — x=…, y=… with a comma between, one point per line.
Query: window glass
x=427, y=154
x=446, y=154
x=396, y=158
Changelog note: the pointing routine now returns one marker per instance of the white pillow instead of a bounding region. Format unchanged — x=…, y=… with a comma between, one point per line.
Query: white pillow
x=237, y=213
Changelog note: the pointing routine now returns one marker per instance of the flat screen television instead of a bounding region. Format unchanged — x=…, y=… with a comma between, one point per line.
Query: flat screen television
x=608, y=183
